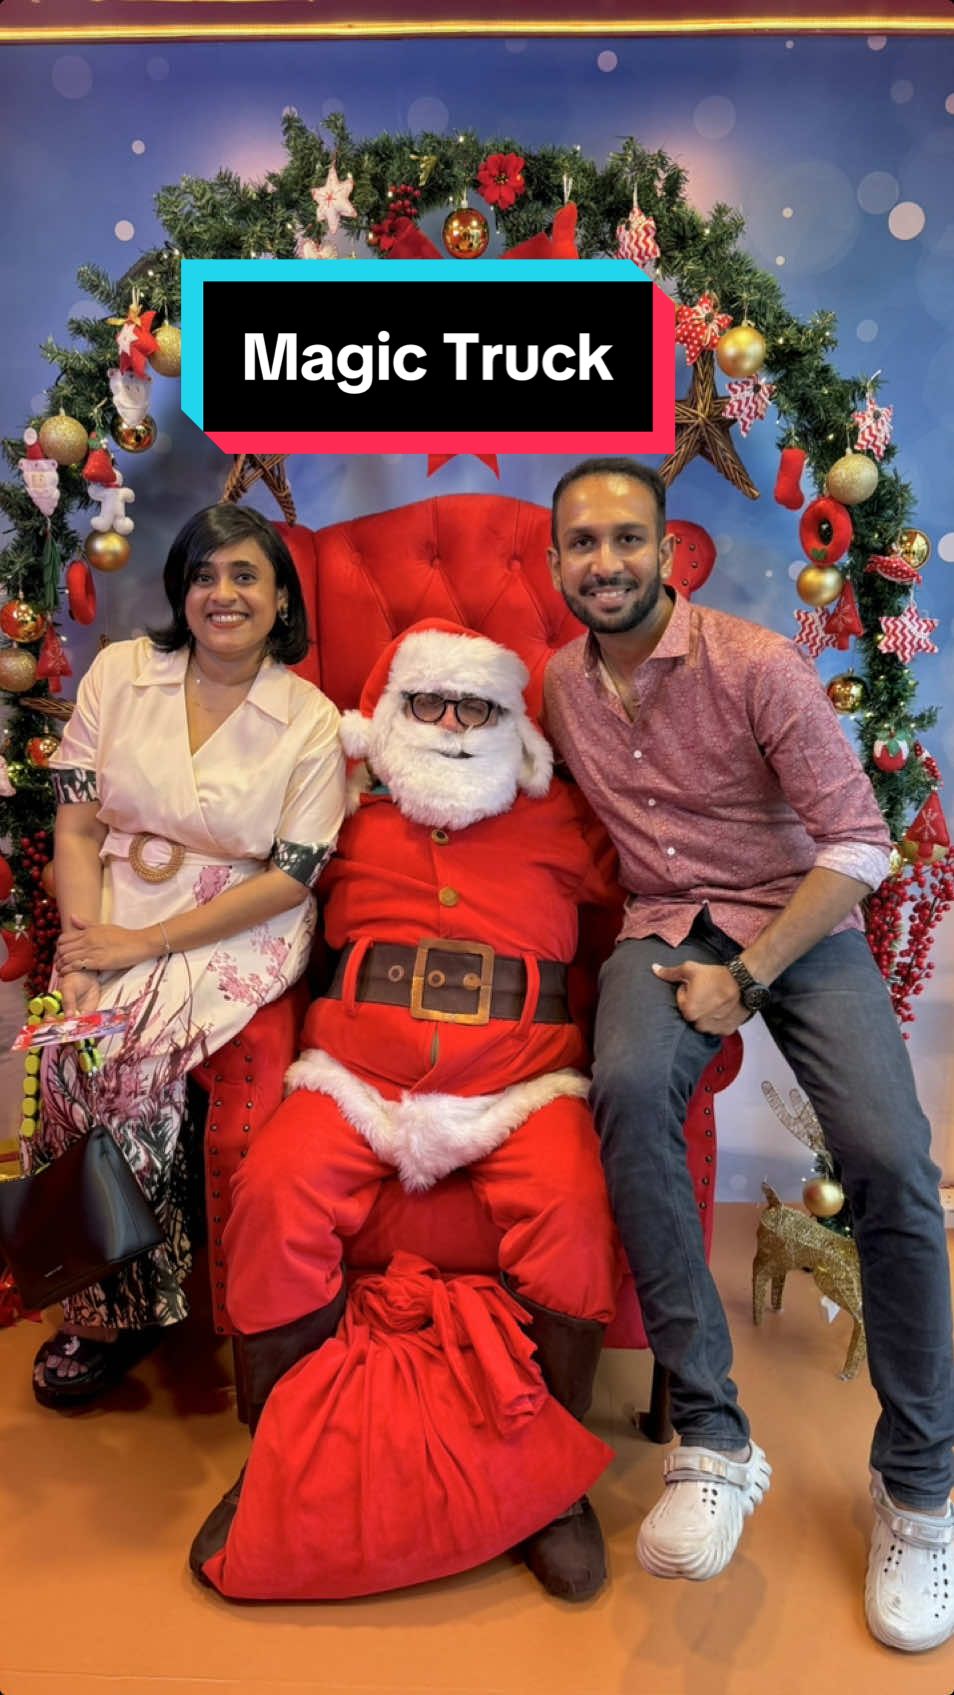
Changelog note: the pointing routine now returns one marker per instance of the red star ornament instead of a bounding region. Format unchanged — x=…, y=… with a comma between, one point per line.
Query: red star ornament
x=908, y=634
x=813, y=631
x=700, y=326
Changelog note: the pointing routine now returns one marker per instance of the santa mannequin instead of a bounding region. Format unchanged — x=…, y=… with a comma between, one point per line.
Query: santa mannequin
x=444, y=1041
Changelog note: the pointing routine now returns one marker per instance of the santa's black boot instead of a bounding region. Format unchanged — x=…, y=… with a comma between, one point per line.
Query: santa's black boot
x=567, y=1556
x=261, y=1360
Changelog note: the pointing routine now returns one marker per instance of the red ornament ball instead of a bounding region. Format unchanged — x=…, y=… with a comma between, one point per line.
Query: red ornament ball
x=135, y=438
x=466, y=233
x=21, y=621
x=40, y=749
x=890, y=753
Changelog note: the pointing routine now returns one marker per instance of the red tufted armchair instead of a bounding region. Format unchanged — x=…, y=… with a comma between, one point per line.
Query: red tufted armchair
x=479, y=560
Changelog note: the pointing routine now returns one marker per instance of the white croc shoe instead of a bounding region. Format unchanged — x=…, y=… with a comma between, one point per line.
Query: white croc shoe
x=694, y=1528
x=909, y=1593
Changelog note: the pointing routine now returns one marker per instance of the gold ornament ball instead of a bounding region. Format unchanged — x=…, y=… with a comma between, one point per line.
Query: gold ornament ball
x=914, y=547
x=741, y=351
x=17, y=671
x=847, y=692
x=135, y=438
x=40, y=750
x=823, y=1197
x=820, y=585
x=465, y=233
x=21, y=621
x=106, y=551
x=852, y=479
x=896, y=862
x=47, y=879
x=167, y=358
x=64, y=439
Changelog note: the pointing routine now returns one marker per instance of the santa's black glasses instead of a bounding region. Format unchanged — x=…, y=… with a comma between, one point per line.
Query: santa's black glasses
x=470, y=712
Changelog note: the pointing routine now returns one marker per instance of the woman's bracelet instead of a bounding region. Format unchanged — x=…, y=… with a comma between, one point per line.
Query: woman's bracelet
x=165, y=936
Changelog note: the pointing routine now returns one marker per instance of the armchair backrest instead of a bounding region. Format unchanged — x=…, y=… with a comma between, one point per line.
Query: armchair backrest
x=478, y=559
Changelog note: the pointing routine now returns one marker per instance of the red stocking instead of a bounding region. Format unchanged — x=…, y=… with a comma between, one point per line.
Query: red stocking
x=787, y=490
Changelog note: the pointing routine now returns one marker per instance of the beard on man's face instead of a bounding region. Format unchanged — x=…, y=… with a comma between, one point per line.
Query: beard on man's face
x=634, y=608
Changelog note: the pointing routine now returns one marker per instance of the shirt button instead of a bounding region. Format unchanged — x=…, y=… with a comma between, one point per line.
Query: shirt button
x=671, y=852
x=638, y=753
x=650, y=802
x=440, y=837
x=448, y=897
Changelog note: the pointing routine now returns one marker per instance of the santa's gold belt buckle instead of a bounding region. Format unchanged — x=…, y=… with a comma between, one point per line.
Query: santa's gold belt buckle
x=165, y=869
x=484, y=984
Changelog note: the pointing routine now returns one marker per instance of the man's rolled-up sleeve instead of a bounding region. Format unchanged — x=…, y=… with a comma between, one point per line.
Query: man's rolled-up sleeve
x=818, y=770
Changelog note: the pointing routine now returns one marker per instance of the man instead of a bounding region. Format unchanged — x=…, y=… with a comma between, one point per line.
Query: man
x=747, y=834
x=444, y=1041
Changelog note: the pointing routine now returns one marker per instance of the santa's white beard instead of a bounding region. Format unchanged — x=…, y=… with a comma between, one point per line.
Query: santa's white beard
x=431, y=783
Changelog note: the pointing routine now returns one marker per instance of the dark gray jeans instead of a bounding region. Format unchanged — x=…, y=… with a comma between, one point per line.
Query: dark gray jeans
x=832, y=1018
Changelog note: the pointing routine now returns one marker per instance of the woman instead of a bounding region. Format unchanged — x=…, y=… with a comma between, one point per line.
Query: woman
x=200, y=788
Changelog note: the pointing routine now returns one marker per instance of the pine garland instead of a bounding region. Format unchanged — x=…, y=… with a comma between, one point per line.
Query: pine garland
x=223, y=217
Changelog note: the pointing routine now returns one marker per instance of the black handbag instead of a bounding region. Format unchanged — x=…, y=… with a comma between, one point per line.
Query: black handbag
x=74, y=1222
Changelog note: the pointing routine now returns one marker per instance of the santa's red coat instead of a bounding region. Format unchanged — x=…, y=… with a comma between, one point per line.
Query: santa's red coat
x=515, y=882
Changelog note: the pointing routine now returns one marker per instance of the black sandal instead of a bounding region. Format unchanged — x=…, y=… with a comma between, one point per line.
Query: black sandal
x=101, y=1366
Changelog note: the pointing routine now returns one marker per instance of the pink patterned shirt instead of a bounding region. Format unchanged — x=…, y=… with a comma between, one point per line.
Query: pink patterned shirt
x=734, y=780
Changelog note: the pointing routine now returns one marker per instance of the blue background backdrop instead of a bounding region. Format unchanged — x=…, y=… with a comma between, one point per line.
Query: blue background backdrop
x=838, y=150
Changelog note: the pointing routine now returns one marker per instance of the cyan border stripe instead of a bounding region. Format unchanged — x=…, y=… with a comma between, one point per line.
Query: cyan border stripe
x=197, y=272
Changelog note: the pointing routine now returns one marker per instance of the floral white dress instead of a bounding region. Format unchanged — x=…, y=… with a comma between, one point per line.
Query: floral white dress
x=267, y=788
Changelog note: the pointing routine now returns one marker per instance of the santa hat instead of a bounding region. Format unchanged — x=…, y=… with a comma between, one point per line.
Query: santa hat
x=437, y=657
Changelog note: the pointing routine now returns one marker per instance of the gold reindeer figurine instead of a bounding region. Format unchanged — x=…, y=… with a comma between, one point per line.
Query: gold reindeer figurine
x=789, y=1240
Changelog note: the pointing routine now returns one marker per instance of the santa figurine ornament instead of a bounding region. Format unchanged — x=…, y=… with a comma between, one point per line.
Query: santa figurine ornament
x=444, y=1043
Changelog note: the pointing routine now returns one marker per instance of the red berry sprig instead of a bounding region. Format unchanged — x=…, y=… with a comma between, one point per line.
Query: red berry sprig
x=404, y=203
x=902, y=917
x=44, y=917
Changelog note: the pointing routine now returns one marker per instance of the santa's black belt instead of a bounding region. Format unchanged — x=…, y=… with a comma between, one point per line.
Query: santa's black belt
x=453, y=982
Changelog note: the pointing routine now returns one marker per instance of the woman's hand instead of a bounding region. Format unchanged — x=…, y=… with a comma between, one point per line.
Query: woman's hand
x=80, y=991
x=89, y=947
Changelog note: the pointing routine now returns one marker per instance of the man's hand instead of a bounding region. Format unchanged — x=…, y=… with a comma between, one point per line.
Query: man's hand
x=100, y=947
x=80, y=991
x=707, y=996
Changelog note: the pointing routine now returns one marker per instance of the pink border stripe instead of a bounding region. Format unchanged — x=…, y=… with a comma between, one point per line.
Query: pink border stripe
x=661, y=440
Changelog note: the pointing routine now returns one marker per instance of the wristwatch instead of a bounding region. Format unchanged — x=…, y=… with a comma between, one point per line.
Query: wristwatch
x=754, y=996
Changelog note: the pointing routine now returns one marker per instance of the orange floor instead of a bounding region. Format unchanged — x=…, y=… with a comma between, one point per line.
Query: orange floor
x=97, y=1511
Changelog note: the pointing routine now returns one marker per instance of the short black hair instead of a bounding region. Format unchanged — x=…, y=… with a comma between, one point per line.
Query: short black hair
x=606, y=466
x=201, y=536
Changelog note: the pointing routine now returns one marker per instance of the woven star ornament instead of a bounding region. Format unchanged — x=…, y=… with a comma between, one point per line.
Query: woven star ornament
x=333, y=200
x=700, y=326
x=813, y=631
x=874, y=427
x=908, y=634
x=748, y=402
x=636, y=239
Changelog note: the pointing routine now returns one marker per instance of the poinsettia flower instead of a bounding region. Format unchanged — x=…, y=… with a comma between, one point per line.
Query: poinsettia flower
x=500, y=179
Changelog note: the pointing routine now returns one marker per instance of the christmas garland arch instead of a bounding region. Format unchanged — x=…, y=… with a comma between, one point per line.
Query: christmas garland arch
x=634, y=206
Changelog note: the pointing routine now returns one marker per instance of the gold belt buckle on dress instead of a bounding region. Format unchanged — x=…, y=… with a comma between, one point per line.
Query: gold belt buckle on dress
x=155, y=873
x=484, y=984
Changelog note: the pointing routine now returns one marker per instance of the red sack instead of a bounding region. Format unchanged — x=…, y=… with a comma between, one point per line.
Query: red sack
x=418, y=1442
